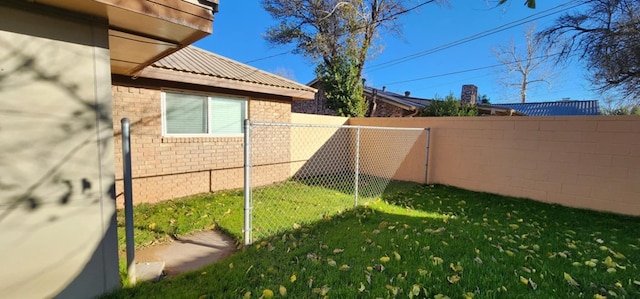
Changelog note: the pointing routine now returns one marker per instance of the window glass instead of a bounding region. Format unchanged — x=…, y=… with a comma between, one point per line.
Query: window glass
x=202, y=115
x=186, y=114
x=227, y=116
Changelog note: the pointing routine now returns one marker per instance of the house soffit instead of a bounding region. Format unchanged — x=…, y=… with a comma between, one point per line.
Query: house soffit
x=143, y=31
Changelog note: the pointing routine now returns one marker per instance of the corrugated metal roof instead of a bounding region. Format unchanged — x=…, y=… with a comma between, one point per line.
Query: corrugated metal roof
x=573, y=108
x=198, y=61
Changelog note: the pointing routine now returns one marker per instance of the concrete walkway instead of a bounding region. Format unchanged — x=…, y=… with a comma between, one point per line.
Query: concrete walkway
x=189, y=252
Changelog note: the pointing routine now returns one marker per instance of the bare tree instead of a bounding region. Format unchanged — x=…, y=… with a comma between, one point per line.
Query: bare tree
x=336, y=34
x=525, y=67
x=321, y=30
x=606, y=35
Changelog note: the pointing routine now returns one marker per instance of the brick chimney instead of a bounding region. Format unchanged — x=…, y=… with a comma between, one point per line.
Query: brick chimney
x=469, y=94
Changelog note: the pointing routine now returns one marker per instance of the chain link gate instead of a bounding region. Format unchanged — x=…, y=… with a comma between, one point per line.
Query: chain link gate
x=297, y=174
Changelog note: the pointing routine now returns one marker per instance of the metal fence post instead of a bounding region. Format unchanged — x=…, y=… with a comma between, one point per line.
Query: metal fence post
x=247, y=183
x=357, y=167
x=128, y=199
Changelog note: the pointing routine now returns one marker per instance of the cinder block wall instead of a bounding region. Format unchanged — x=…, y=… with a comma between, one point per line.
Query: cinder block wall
x=170, y=167
x=585, y=162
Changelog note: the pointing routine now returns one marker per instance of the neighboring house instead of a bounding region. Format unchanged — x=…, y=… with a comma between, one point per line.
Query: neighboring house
x=385, y=103
x=560, y=108
x=187, y=112
x=57, y=174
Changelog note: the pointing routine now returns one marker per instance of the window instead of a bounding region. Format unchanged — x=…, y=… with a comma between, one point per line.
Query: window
x=192, y=114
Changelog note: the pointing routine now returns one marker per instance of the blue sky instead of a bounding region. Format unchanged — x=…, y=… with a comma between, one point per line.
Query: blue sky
x=239, y=27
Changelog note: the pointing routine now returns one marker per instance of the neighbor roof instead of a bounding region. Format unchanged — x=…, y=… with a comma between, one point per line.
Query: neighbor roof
x=402, y=101
x=573, y=108
x=194, y=65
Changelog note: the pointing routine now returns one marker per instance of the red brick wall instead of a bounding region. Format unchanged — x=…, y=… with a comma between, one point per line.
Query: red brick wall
x=170, y=167
x=316, y=106
x=319, y=106
x=387, y=110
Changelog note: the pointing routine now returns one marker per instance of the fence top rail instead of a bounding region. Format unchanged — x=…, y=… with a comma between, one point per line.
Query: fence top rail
x=333, y=126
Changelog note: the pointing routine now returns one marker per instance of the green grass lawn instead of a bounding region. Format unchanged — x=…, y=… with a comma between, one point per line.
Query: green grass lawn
x=417, y=242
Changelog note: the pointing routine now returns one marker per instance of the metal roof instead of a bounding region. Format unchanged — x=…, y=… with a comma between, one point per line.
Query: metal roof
x=198, y=61
x=409, y=103
x=573, y=108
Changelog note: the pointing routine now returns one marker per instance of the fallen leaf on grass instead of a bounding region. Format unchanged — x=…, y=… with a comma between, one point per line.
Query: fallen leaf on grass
x=415, y=290
x=394, y=290
x=608, y=261
x=591, y=263
x=524, y=280
x=453, y=278
x=293, y=278
x=456, y=268
x=396, y=255
x=385, y=259
x=267, y=294
x=437, y=260
x=570, y=280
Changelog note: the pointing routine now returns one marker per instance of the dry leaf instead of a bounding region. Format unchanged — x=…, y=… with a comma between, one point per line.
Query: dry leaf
x=570, y=280
x=283, y=291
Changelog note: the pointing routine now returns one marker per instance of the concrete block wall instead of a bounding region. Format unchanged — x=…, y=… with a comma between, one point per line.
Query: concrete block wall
x=171, y=167
x=584, y=162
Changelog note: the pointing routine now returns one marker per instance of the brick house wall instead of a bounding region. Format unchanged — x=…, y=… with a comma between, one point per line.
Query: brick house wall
x=387, y=110
x=319, y=106
x=316, y=106
x=171, y=167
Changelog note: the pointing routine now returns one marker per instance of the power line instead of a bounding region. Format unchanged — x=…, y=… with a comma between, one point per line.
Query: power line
x=269, y=57
x=333, y=11
x=467, y=70
x=472, y=37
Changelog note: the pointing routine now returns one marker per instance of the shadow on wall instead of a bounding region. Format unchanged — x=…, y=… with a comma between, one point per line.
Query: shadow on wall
x=330, y=157
x=57, y=216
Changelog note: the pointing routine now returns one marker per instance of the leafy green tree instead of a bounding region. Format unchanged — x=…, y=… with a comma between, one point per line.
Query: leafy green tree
x=621, y=110
x=449, y=106
x=528, y=3
x=484, y=99
x=342, y=86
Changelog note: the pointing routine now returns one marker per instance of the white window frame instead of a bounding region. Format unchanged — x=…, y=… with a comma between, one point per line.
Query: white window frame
x=209, y=97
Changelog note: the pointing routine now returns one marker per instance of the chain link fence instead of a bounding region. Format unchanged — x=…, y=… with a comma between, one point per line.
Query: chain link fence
x=297, y=174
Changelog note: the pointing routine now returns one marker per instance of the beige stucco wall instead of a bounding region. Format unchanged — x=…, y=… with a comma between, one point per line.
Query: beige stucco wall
x=585, y=162
x=307, y=142
x=57, y=213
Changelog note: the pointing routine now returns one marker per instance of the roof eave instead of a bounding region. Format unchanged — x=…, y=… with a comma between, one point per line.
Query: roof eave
x=191, y=78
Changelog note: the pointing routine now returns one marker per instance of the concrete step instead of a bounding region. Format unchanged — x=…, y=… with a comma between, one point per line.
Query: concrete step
x=151, y=271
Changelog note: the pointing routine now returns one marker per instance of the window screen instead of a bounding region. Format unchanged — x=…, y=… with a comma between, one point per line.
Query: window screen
x=202, y=115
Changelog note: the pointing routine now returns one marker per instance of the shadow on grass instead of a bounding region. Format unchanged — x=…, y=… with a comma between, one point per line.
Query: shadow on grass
x=426, y=241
